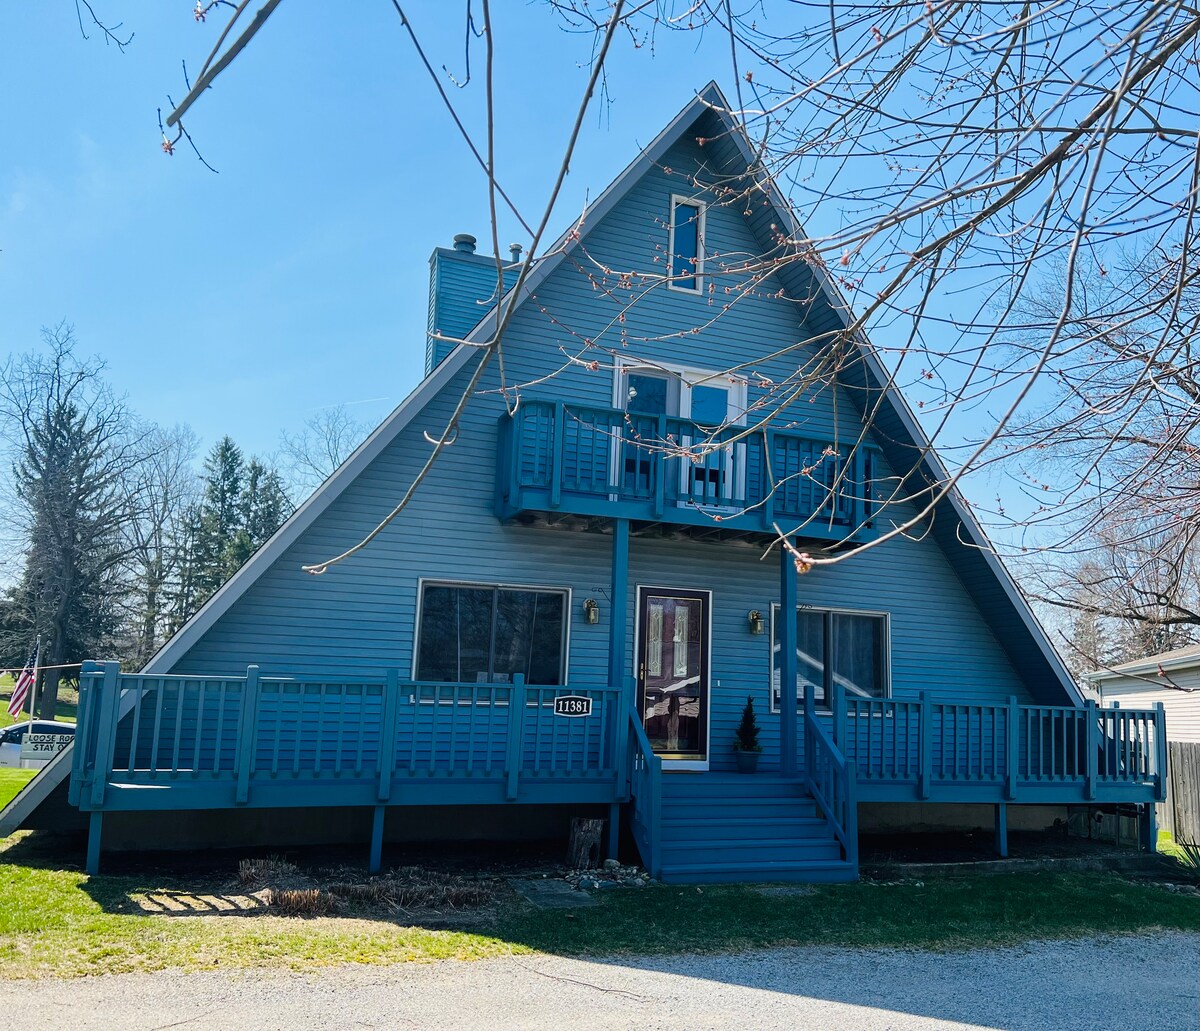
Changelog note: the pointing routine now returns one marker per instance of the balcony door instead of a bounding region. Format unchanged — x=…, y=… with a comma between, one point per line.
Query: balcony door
x=673, y=630
x=648, y=392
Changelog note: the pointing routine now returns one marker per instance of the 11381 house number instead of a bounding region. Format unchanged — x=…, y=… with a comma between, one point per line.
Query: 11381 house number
x=572, y=705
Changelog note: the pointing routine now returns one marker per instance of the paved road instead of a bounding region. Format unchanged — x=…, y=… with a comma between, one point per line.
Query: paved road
x=1144, y=983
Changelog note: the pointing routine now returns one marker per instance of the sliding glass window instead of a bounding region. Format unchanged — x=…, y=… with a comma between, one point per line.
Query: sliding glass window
x=849, y=649
x=487, y=634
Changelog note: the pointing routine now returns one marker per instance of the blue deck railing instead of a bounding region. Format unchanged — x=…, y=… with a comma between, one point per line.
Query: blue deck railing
x=583, y=460
x=272, y=741
x=931, y=749
x=830, y=779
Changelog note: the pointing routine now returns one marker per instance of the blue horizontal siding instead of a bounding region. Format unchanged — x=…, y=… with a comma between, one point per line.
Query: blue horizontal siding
x=358, y=619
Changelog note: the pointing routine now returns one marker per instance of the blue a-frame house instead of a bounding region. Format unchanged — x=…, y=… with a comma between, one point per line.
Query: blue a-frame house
x=589, y=584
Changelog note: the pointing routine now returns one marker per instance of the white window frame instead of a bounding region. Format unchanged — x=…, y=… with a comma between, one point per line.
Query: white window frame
x=689, y=376
x=440, y=581
x=701, y=218
x=776, y=608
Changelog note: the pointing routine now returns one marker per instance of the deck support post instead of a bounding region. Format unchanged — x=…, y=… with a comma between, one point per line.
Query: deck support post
x=375, y=861
x=788, y=597
x=1149, y=827
x=614, y=830
x=95, y=825
x=1002, y=830
x=617, y=629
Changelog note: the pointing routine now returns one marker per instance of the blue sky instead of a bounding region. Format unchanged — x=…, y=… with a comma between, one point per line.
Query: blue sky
x=243, y=302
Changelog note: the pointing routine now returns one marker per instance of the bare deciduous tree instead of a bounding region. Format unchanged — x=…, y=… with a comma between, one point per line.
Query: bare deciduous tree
x=946, y=160
x=320, y=446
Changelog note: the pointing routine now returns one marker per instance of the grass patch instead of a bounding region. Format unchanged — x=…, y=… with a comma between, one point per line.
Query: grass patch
x=66, y=710
x=60, y=922
x=1185, y=854
x=11, y=783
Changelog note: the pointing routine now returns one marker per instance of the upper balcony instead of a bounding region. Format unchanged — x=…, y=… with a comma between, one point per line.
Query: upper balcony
x=558, y=460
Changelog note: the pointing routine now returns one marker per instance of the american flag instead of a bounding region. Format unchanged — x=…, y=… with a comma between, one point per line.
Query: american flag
x=23, y=684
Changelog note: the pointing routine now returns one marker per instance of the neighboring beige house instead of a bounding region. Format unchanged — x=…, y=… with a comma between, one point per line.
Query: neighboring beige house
x=1172, y=678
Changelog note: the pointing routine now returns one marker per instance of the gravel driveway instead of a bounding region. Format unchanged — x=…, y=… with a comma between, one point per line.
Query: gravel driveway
x=1145, y=983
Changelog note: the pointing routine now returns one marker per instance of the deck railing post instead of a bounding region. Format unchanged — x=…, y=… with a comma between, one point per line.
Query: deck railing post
x=556, y=456
x=1013, y=756
x=765, y=480
x=106, y=730
x=1091, y=746
x=838, y=707
x=660, y=464
x=247, y=732
x=924, y=745
x=516, y=728
x=1160, y=752
x=89, y=673
x=387, y=734
x=622, y=741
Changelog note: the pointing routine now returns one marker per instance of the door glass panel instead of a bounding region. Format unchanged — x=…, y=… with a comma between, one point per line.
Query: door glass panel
x=710, y=405
x=674, y=691
x=647, y=394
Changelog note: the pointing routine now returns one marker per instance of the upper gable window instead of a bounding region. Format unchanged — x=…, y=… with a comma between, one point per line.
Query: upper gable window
x=685, y=244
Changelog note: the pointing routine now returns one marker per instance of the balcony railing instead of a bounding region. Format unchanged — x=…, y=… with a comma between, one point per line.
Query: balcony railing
x=560, y=457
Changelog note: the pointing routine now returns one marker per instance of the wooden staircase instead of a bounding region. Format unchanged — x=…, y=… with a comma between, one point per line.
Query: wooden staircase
x=730, y=827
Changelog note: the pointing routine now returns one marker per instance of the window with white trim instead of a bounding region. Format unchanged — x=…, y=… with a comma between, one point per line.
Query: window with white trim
x=485, y=633
x=834, y=646
x=685, y=245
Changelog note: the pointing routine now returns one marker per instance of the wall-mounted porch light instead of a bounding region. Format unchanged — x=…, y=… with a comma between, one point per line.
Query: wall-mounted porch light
x=755, y=619
x=591, y=611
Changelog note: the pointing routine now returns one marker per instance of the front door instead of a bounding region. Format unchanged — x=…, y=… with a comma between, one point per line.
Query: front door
x=672, y=671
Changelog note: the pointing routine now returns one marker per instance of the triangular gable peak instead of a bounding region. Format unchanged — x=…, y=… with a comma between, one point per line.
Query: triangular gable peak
x=708, y=119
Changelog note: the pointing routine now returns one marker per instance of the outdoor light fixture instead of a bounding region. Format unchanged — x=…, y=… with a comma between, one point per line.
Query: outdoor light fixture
x=754, y=617
x=591, y=611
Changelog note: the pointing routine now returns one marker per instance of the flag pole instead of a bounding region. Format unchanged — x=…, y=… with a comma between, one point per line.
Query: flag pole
x=37, y=664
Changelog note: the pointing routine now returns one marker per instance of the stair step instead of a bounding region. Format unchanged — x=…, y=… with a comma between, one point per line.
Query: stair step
x=717, y=826
x=752, y=853
x=824, y=872
x=707, y=785
x=750, y=809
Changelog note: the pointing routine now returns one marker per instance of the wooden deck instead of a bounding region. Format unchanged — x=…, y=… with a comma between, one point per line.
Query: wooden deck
x=563, y=460
x=173, y=743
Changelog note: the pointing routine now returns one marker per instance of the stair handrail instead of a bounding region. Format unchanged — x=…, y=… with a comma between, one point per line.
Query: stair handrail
x=645, y=778
x=830, y=779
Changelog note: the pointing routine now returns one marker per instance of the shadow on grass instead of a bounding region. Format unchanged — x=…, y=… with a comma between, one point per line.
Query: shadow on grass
x=641, y=931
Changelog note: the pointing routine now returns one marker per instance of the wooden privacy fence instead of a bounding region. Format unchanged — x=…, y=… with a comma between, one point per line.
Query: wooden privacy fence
x=1180, y=813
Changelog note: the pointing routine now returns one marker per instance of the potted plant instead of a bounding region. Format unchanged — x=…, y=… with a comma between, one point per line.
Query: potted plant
x=746, y=748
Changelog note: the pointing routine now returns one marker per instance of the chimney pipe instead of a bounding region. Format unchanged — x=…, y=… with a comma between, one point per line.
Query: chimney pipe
x=514, y=251
x=464, y=243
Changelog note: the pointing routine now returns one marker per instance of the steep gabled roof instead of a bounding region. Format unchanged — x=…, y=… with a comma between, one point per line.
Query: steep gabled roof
x=903, y=441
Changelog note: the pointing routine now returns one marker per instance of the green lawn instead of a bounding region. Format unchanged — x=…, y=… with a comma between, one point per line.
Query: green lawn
x=68, y=703
x=11, y=782
x=59, y=922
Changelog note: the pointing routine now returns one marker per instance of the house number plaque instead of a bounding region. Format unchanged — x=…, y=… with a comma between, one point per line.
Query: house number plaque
x=572, y=705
